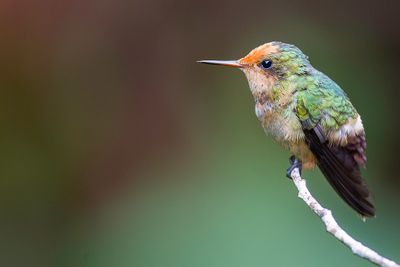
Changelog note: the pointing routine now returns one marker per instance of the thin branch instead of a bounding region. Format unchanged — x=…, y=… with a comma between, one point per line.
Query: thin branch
x=332, y=226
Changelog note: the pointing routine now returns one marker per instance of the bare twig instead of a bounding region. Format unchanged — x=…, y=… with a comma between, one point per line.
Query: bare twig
x=332, y=226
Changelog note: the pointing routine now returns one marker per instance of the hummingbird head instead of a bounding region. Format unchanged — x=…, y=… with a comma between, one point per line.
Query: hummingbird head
x=268, y=64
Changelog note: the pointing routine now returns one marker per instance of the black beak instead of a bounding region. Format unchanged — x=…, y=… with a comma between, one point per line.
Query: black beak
x=228, y=63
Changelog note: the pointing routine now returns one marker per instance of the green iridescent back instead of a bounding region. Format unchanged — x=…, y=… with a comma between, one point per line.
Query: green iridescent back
x=318, y=98
x=324, y=102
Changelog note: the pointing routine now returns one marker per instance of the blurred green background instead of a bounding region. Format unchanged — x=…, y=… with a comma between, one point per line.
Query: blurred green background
x=116, y=149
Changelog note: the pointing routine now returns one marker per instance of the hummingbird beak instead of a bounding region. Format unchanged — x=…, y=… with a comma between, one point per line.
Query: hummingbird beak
x=228, y=63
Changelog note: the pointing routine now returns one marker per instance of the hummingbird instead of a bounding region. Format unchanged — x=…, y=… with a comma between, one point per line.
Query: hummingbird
x=310, y=115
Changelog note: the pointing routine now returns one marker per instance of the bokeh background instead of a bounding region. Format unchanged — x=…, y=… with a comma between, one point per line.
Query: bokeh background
x=116, y=149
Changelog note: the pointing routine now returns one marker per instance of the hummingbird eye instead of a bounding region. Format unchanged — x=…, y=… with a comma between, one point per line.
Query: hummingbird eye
x=266, y=64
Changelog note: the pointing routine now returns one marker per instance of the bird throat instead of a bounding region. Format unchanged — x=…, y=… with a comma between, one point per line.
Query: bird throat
x=261, y=88
x=269, y=95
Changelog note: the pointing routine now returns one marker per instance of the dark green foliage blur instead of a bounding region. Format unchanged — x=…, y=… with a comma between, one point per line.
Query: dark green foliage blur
x=116, y=149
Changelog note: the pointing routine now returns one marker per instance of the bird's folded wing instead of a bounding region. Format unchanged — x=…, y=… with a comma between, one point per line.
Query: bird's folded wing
x=340, y=163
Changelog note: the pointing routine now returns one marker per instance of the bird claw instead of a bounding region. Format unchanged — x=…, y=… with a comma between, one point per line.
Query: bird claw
x=294, y=163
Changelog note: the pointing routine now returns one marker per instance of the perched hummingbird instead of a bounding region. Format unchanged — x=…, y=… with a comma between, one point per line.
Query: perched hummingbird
x=309, y=114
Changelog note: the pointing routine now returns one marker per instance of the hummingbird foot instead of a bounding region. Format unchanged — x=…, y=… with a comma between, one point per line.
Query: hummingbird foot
x=294, y=163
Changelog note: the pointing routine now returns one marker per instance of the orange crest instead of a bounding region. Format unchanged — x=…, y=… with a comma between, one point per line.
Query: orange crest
x=259, y=53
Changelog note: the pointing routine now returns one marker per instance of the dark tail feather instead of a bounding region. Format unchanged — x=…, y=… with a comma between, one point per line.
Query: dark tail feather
x=342, y=172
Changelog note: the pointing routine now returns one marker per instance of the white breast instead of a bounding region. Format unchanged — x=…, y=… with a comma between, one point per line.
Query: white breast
x=263, y=109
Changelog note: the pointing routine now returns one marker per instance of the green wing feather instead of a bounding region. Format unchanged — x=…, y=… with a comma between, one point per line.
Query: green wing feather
x=323, y=107
x=324, y=102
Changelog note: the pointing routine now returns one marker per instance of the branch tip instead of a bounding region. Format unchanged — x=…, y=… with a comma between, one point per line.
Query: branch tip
x=333, y=227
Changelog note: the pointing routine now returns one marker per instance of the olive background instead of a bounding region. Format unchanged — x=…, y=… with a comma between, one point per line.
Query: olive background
x=117, y=149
